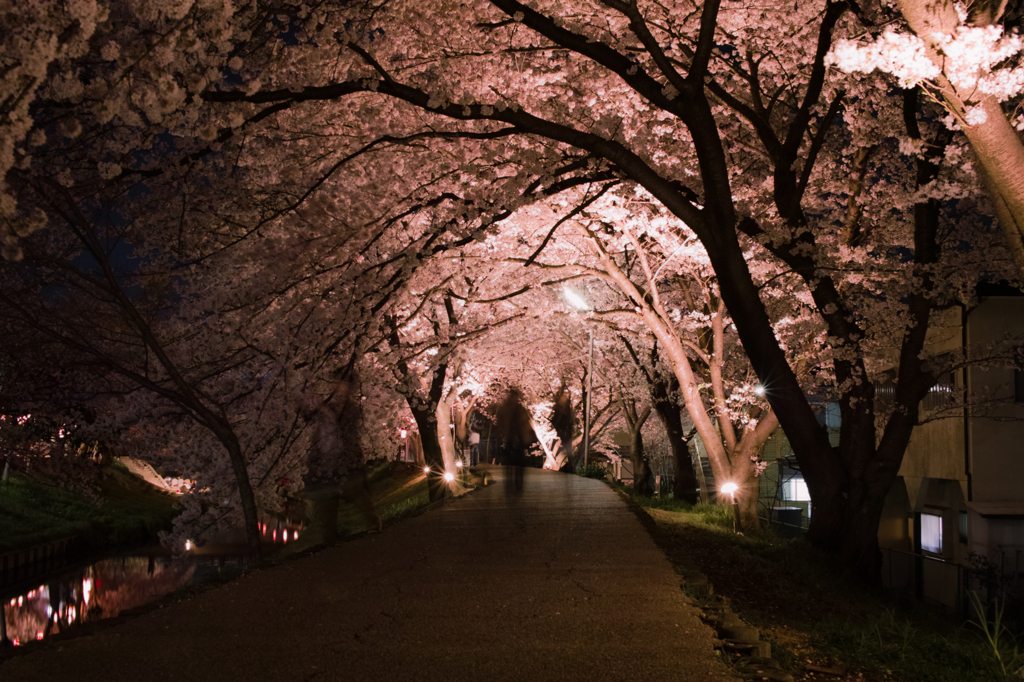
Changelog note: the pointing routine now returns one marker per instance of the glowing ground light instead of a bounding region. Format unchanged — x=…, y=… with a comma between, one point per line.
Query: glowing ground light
x=729, y=488
x=449, y=476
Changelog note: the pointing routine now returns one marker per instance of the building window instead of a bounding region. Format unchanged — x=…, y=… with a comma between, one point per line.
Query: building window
x=963, y=528
x=796, y=490
x=931, y=533
x=942, y=395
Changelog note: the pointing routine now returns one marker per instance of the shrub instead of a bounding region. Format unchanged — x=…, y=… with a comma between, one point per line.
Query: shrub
x=597, y=471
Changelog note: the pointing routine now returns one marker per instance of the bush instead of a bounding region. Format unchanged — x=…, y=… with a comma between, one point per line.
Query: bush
x=597, y=471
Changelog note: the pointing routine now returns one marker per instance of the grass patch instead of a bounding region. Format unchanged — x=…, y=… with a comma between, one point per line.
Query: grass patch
x=814, y=610
x=396, y=491
x=128, y=511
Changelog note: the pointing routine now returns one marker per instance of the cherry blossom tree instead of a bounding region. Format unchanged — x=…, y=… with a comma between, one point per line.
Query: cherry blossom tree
x=963, y=56
x=845, y=197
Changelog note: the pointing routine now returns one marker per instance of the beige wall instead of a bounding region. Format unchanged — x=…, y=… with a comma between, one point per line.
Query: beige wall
x=997, y=426
x=936, y=448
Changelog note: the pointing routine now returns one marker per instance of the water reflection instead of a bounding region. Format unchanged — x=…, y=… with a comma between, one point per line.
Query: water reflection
x=108, y=587
x=101, y=590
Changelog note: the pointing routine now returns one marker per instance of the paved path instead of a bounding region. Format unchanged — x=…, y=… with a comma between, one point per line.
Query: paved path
x=558, y=581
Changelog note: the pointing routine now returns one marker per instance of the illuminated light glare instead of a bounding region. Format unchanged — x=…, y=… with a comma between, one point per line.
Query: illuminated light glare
x=402, y=432
x=39, y=635
x=188, y=545
x=87, y=590
x=449, y=476
x=295, y=535
x=729, y=488
x=575, y=300
x=21, y=601
x=459, y=464
x=426, y=470
x=759, y=390
x=273, y=535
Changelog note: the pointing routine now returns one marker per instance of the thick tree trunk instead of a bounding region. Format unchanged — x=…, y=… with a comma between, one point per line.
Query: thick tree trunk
x=684, y=483
x=426, y=421
x=643, y=476
x=444, y=435
x=460, y=415
x=746, y=503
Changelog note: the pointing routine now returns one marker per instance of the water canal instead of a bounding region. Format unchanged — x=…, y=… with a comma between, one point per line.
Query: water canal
x=40, y=604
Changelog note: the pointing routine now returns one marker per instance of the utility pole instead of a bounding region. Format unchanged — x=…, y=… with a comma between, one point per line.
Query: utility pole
x=590, y=392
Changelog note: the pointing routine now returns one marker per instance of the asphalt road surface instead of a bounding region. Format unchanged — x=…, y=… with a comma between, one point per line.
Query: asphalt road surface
x=556, y=580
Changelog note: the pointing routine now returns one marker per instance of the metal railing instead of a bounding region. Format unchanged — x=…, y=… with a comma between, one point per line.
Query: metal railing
x=928, y=578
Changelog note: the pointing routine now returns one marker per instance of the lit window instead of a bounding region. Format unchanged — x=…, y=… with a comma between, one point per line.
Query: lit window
x=796, y=490
x=931, y=533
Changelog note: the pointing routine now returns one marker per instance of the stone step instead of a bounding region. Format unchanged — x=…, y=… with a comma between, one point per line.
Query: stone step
x=740, y=633
x=758, y=649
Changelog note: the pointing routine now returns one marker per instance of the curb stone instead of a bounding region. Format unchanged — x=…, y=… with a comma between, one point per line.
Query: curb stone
x=751, y=657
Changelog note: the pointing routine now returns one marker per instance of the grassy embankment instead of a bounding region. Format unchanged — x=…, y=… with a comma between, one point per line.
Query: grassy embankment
x=397, y=491
x=127, y=511
x=815, y=612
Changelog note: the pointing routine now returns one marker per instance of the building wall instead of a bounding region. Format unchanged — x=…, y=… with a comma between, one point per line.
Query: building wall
x=996, y=426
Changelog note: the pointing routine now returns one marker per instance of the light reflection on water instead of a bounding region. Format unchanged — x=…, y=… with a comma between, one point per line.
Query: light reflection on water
x=99, y=591
x=107, y=587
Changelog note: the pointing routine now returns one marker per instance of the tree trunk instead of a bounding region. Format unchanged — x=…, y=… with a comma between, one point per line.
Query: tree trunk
x=460, y=415
x=684, y=483
x=746, y=502
x=250, y=514
x=426, y=421
x=444, y=435
x=643, y=476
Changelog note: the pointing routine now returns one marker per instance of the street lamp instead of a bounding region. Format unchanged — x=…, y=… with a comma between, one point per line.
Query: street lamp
x=580, y=304
x=730, y=489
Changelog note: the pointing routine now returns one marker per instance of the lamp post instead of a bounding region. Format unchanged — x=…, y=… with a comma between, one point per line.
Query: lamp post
x=580, y=304
x=590, y=393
